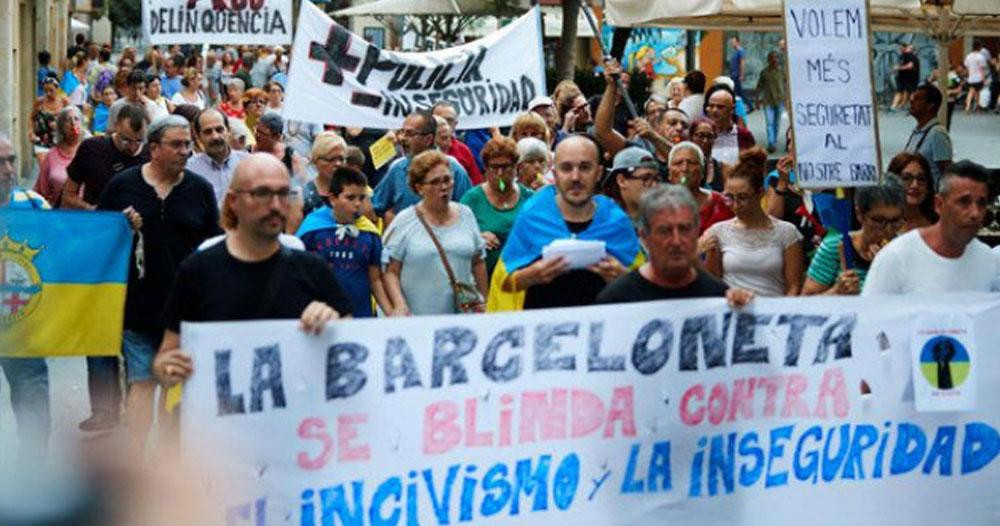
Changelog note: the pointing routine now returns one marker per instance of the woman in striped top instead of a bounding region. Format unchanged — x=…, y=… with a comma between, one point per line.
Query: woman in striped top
x=880, y=211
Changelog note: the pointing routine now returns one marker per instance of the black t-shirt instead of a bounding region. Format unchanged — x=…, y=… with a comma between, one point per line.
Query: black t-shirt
x=212, y=285
x=172, y=229
x=97, y=161
x=364, y=140
x=633, y=287
x=909, y=75
x=572, y=289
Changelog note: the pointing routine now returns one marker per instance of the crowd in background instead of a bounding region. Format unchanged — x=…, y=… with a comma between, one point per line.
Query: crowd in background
x=192, y=146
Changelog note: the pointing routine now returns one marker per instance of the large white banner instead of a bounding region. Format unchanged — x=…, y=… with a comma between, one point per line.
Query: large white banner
x=258, y=22
x=337, y=77
x=679, y=412
x=830, y=86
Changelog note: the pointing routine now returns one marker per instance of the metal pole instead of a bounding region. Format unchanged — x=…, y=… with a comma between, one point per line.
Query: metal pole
x=604, y=52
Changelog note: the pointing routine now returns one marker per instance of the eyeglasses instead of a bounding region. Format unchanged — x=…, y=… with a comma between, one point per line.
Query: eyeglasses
x=179, y=144
x=500, y=168
x=129, y=142
x=885, y=222
x=12, y=159
x=645, y=180
x=440, y=181
x=911, y=178
x=406, y=132
x=704, y=136
x=333, y=159
x=264, y=195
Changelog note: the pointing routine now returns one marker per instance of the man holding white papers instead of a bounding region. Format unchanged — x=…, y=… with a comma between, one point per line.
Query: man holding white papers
x=525, y=279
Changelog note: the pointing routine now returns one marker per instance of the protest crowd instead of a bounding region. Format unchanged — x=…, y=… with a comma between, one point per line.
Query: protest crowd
x=239, y=213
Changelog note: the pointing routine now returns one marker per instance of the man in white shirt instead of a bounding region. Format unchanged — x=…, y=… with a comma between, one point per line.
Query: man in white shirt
x=976, y=63
x=694, y=94
x=946, y=256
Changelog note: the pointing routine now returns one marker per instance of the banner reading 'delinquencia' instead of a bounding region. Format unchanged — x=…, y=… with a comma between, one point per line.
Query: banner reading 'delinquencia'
x=338, y=77
x=679, y=412
x=258, y=22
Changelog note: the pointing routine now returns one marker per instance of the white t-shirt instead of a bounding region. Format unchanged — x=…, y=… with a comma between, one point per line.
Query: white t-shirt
x=755, y=259
x=908, y=265
x=179, y=100
x=726, y=148
x=975, y=62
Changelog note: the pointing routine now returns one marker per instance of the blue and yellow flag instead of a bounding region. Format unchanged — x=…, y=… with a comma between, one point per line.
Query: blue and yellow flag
x=539, y=223
x=62, y=282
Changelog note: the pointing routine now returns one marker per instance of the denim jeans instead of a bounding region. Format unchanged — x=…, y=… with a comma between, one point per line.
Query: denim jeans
x=772, y=114
x=29, y=398
x=102, y=384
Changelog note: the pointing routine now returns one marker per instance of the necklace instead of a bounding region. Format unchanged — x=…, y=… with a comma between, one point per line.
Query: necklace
x=500, y=201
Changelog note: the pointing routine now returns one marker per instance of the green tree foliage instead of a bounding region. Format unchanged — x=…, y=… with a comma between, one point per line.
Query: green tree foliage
x=125, y=14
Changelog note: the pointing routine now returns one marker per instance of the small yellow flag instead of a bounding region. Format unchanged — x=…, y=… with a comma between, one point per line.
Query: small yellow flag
x=382, y=151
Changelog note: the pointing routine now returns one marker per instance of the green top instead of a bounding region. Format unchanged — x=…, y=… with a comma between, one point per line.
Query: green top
x=492, y=219
x=771, y=86
x=825, y=265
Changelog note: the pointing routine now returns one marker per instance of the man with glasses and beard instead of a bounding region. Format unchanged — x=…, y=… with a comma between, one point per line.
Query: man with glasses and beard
x=97, y=160
x=217, y=160
x=569, y=209
x=393, y=192
x=173, y=211
x=249, y=276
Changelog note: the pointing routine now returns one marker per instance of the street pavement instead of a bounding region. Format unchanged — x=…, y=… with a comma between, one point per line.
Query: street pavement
x=974, y=137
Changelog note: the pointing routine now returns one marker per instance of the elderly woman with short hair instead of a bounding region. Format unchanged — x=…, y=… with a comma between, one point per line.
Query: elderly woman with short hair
x=534, y=163
x=232, y=105
x=416, y=278
x=880, y=210
x=686, y=167
x=497, y=201
x=69, y=133
x=329, y=152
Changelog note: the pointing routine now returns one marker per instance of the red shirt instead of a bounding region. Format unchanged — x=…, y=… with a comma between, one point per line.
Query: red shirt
x=231, y=112
x=714, y=210
x=463, y=155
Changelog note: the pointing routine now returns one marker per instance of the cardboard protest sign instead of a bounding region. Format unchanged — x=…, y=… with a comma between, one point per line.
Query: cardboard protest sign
x=338, y=77
x=258, y=22
x=833, y=112
x=657, y=413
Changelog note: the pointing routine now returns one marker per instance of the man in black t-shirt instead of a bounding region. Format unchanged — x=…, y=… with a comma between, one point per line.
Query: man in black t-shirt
x=173, y=210
x=97, y=160
x=249, y=276
x=668, y=227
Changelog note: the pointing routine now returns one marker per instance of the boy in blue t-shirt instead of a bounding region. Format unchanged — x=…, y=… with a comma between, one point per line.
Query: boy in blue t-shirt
x=354, y=254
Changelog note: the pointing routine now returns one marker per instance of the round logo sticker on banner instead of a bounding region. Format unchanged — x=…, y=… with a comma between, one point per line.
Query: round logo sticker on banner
x=945, y=362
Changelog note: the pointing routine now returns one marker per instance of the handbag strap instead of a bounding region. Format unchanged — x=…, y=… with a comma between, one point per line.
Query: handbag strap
x=437, y=244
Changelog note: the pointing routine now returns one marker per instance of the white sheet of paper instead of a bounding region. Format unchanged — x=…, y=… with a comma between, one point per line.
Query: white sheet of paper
x=944, y=364
x=578, y=253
